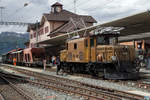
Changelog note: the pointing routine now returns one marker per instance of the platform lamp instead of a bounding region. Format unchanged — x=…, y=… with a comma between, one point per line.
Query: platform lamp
x=37, y=45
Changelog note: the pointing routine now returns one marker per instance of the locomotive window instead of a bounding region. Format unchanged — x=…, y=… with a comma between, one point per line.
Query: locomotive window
x=86, y=43
x=102, y=40
x=67, y=46
x=75, y=45
x=113, y=40
x=92, y=42
x=139, y=45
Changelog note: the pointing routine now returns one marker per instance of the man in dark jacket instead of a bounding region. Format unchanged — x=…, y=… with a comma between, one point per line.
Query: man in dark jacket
x=58, y=64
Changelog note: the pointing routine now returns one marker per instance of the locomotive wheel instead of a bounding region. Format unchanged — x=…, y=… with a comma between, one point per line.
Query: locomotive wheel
x=91, y=70
x=26, y=65
x=73, y=69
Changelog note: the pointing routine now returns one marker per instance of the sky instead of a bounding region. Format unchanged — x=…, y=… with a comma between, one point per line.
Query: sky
x=102, y=10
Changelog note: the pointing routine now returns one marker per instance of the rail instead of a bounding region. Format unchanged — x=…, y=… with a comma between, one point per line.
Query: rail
x=21, y=92
x=55, y=83
x=1, y=97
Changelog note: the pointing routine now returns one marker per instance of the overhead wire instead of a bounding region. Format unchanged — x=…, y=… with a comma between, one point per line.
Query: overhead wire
x=85, y=2
x=104, y=5
x=19, y=9
x=73, y=3
x=93, y=8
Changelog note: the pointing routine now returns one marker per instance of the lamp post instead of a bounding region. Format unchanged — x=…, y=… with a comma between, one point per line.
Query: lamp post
x=2, y=8
x=37, y=33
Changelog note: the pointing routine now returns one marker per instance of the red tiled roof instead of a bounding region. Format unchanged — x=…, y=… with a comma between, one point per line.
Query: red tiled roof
x=12, y=51
x=69, y=27
x=32, y=26
x=65, y=15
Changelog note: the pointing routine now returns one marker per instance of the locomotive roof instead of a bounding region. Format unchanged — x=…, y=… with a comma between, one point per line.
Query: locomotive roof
x=76, y=39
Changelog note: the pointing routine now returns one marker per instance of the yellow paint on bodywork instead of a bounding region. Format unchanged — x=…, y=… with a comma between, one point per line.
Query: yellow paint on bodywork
x=84, y=53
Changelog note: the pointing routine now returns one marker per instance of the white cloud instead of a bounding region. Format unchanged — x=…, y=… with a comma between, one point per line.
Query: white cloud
x=101, y=10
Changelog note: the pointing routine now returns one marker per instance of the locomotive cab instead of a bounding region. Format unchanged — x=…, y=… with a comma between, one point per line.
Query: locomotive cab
x=117, y=60
x=99, y=55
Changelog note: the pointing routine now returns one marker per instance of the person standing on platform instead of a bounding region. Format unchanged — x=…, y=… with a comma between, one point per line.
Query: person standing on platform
x=53, y=60
x=14, y=61
x=44, y=63
x=58, y=65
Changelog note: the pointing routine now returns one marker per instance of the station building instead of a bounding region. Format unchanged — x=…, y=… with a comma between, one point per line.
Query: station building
x=57, y=22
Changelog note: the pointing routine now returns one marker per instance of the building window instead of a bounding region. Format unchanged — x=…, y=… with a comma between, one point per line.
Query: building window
x=92, y=42
x=34, y=34
x=32, y=45
x=31, y=36
x=75, y=45
x=46, y=29
x=86, y=43
x=42, y=31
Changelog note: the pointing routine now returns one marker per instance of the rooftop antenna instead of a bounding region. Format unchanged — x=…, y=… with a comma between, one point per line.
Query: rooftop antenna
x=37, y=45
x=1, y=10
x=75, y=1
x=58, y=0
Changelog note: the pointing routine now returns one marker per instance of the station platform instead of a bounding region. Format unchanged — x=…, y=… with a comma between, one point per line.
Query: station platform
x=145, y=73
x=48, y=72
x=31, y=69
x=9, y=71
x=146, y=95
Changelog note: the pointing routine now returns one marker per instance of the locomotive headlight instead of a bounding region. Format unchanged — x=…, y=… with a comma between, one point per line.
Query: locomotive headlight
x=114, y=58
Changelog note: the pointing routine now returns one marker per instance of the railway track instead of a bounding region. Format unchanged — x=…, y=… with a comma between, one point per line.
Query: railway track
x=1, y=97
x=77, y=88
x=9, y=90
x=139, y=84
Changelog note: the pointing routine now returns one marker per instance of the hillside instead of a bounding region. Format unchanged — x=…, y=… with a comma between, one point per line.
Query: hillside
x=11, y=40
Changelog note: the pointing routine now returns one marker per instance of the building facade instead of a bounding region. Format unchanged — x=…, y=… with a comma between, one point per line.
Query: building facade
x=58, y=21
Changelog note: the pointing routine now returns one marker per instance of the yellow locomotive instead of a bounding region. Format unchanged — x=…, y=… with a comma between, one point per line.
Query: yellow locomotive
x=99, y=55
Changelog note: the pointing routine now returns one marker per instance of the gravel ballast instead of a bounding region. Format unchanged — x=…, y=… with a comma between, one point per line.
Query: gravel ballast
x=47, y=94
x=96, y=82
